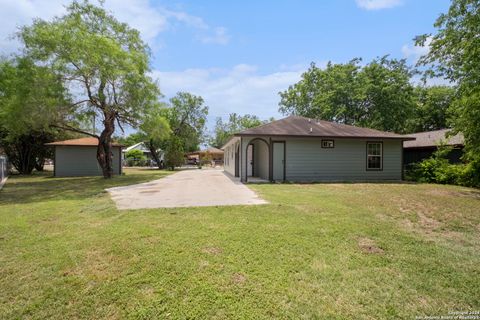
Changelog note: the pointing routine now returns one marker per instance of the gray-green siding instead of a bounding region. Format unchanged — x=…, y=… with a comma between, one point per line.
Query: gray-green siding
x=73, y=161
x=306, y=160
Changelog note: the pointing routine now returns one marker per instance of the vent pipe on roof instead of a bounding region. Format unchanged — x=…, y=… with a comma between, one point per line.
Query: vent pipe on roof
x=311, y=129
x=309, y=120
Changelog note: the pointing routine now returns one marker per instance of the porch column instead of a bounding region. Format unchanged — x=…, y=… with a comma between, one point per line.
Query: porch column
x=244, y=141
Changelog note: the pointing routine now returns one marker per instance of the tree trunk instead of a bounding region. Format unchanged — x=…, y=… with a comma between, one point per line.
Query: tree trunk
x=153, y=152
x=21, y=154
x=104, y=152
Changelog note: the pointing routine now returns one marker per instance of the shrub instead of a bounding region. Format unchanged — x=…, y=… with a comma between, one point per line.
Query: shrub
x=470, y=176
x=135, y=154
x=437, y=169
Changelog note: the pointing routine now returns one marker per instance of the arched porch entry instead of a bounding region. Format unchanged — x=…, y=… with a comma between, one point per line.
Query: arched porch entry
x=258, y=160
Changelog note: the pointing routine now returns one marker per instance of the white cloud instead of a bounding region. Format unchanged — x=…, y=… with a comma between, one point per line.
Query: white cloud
x=378, y=4
x=151, y=21
x=220, y=36
x=240, y=89
x=189, y=20
x=414, y=52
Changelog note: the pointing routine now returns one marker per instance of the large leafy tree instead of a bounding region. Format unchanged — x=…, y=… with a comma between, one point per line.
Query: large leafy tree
x=187, y=115
x=378, y=95
x=32, y=100
x=331, y=94
x=236, y=123
x=454, y=54
x=388, y=99
x=104, y=63
x=432, y=108
x=155, y=131
x=174, y=152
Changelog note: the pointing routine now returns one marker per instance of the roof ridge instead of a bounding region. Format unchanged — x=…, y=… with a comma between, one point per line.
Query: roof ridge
x=298, y=126
x=420, y=132
x=264, y=124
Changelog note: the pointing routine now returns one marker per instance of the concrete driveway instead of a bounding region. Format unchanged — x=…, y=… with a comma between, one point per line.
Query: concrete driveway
x=188, y=188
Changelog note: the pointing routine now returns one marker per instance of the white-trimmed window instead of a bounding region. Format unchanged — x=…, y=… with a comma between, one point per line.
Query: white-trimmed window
x=374, y=155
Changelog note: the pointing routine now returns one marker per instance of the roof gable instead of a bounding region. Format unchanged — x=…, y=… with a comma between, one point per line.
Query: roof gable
x=138, y=146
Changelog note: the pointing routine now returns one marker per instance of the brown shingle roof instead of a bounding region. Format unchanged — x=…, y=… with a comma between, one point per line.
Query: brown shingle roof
x=88, y=141
x=211, y=150
x=433, y=139
x=305, y=127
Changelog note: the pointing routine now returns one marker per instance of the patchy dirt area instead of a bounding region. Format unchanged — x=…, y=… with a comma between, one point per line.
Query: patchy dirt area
x=368, y=245
x=462, y=193
x=212, y=250
x=239, y=278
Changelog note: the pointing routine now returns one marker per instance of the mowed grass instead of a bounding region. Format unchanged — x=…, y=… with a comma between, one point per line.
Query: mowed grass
x=334, y=251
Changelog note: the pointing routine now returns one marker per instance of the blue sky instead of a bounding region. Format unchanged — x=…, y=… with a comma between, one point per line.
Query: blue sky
x=272, y=34
x=239, y=54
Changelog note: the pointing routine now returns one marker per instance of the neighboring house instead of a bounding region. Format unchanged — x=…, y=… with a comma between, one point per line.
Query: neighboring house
x=146, y=152
x=426, y=143
x=211, y=153
x=302, y=149
x=78, y=157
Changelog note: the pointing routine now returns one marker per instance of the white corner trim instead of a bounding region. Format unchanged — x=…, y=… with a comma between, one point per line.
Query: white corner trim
x=3, y=182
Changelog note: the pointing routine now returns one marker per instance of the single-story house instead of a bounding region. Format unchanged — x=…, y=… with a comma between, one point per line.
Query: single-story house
x=146, y=152
x=211, y=153
x=78, y=157
x=302, y=149
x=426, y=143
x=138, y=146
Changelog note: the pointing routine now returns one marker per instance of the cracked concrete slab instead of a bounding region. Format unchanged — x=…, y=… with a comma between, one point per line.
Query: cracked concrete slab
x=187, y=188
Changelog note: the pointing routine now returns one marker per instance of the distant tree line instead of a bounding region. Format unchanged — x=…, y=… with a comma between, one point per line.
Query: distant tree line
x=379, y=95
x=223, y=130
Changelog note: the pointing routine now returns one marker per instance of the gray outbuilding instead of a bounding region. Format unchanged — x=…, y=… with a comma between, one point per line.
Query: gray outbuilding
x=306, y=150
x=78, y=157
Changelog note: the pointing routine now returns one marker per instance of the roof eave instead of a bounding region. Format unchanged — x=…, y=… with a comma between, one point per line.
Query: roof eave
x=229, y=140
x=323, y=136
x=455, y=145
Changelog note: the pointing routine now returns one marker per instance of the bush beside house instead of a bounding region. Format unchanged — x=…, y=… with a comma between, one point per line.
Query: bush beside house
x=136, y=158
x=437, y=169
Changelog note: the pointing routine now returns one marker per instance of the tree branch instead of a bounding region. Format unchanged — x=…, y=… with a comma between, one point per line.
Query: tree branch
x=79, y=102
x=119, y=124
x=69, y=128
x=93, y=100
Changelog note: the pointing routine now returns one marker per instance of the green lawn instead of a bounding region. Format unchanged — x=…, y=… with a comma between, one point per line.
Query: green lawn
x=336, y=251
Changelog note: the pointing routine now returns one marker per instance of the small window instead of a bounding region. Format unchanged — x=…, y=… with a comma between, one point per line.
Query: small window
x=374, y=156
x=328, y=144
